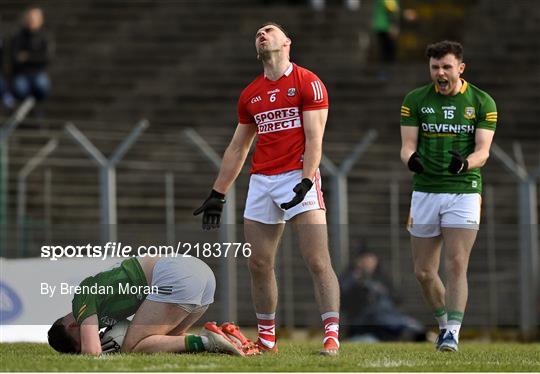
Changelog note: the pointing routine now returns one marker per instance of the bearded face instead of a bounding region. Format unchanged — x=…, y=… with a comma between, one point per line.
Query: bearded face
x=270, y=39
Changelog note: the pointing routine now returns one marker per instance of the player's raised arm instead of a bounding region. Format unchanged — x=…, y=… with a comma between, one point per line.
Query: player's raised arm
x=235, y=156
x=409, y=135
x=233, y=160
x=483, y=139
x=314, y=124
x=90, y=343
x=409, y=143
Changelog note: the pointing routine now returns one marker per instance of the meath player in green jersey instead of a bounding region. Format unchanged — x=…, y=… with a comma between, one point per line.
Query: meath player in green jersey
x=447, y=128
x=166, y=295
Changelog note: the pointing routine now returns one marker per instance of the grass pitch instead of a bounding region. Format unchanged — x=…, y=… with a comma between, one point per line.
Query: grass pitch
x=293, y=356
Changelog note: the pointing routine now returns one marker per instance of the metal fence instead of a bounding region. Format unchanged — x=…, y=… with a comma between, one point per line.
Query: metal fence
x=491, y=278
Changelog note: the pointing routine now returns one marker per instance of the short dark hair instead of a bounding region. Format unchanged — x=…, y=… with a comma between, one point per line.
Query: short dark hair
x=270, y=23
x=59, y=339
x=441, y=49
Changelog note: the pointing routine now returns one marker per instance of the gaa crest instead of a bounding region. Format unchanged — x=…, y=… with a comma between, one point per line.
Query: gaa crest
x=469, y=112
x=291, y=92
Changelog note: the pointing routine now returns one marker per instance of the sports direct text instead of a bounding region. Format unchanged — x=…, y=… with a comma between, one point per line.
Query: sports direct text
x=278, y=120
x=117, y=249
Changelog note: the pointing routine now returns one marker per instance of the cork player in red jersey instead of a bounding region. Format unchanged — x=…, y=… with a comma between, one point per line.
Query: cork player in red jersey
x=285, y=108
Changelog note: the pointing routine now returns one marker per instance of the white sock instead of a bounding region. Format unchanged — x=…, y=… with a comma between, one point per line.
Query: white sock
x=442, y=317
x=204, y=340
x=442, y=321
x=454, y=327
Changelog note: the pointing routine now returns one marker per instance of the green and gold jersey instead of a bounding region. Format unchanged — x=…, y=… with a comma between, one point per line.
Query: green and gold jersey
x=447, y=123
x=112, y=295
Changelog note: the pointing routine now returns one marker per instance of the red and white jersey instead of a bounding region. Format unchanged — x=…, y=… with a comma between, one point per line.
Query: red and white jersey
x=276, y=108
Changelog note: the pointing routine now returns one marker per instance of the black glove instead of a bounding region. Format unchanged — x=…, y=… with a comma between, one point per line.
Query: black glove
x=102, y=333
x=212, y=208
x=301, y=189
x=415, y=163
x=113, y=337
x=109, y=346
x=459, y=164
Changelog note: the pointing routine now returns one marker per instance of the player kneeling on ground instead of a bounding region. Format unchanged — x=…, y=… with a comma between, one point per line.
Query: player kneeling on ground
x=113, y=337
x=181, y=289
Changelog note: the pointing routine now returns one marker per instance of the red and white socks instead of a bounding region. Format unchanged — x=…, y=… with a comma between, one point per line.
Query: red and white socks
x=266, y=326
x=331, y=330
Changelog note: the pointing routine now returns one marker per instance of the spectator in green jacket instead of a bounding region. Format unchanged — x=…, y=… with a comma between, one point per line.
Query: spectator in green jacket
x=386, y=17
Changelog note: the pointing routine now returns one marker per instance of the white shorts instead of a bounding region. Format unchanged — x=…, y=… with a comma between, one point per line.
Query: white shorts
x=431, y=211
x=267, y=192
x=185, y=281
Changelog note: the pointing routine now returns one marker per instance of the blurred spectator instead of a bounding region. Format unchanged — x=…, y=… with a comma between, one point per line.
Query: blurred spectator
x=6, y=100
x=30, y=54
x=349, y=4
x=386, y=16
x=317, y=5
x=284, y=2
x=369, y=308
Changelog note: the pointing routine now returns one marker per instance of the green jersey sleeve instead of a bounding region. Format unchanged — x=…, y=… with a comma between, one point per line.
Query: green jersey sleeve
x=409, y=116
x=487, y=115
x=84, y=304
x=112, y=295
